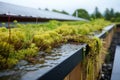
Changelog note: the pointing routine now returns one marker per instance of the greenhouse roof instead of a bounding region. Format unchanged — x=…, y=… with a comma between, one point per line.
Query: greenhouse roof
x=16, y=10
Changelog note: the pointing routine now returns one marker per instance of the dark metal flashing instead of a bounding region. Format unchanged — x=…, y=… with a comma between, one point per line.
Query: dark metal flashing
x=60, y=71
x=104, y=33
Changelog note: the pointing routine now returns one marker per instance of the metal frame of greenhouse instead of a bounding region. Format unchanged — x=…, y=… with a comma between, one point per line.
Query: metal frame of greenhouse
x=26, y=14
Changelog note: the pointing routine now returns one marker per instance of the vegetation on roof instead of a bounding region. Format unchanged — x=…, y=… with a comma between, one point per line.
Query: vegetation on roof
x=26, y=40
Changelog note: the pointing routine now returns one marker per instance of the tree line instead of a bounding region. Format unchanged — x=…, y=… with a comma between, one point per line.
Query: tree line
x=109, y=14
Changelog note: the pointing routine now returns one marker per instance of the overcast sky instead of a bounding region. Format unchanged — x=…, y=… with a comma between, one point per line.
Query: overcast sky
x=69, y=5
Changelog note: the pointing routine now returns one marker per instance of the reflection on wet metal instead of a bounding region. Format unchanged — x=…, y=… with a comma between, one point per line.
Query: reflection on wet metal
x=116, y=65
x=33, y=71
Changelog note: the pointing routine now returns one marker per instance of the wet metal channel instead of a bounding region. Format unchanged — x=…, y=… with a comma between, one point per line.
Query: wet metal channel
x=116, y=66
x=26, y=72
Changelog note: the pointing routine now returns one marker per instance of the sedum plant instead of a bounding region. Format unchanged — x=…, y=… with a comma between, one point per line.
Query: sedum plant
x=26, y=40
